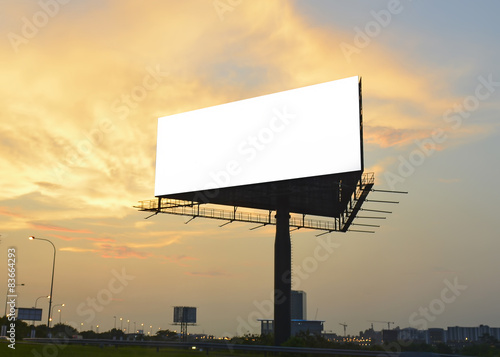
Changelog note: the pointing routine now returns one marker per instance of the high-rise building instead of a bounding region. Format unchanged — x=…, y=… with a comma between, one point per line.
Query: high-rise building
x=299, y=305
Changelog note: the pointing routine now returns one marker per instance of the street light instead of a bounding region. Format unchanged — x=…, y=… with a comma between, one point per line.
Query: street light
x=59, y=311
x=53, y=311
x=128, y=328
x=121, y=323
x=52, y=281
x=44, y=296
x=36, y=301
x=115, y=321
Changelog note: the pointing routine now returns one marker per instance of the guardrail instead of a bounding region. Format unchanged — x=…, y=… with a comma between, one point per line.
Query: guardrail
x=234, y=347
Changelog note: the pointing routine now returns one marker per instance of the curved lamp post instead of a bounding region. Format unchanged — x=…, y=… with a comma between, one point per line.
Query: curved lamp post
x=36, y=302
x=52, y=281
x=58, y=311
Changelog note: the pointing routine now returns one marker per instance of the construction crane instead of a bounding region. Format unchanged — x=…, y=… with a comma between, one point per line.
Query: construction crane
x=384, y=322
x=345, y=327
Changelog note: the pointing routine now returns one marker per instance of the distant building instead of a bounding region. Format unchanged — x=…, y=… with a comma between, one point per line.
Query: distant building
x=312, y=326
x=374, y=336
x=436, y=336
x=299, y=305
x=410, y=334
x=330, y=336
x=495, y=332
x=459, y=334
x=389, y=336
x=471, y=334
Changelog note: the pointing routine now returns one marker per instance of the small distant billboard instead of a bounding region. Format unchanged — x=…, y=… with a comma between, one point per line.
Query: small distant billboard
x=184, y=314
x=29, y=314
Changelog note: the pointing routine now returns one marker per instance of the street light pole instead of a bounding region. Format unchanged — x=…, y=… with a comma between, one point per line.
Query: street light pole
x=52, y=281
x=36, y=302
x=59, y=310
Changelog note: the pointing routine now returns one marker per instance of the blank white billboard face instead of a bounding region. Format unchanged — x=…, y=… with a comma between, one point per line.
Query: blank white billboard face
x=299, y=133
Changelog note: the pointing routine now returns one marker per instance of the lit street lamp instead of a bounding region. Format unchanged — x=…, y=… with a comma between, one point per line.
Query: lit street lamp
x=121, y=323
x=52, y=313
x=52, y=281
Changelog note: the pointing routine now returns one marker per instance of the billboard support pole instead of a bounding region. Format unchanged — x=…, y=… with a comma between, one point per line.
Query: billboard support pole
x=282, y=273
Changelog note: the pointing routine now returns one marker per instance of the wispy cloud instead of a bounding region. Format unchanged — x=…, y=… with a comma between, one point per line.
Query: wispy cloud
x=390, y=136
x=49, y=227
x=155, y=244
x=92, y=239
x=121, y=252
x=78, y=250
x=4, y=211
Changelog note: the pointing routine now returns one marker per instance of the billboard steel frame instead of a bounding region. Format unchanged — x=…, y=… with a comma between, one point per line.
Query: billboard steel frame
x=203, y=210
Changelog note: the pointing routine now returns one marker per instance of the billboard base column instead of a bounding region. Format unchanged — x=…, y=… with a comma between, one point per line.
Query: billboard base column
x=282, y=273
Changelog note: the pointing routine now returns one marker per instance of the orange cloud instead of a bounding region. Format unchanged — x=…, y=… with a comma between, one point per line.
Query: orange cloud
x=121, y=252
x=4, y=211
x=66, y=238
x=78, y=250
x=48, y=227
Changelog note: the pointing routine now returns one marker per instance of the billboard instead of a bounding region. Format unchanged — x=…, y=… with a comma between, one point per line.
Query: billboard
x=309, y=132
x=29, y=314
x=184, y=314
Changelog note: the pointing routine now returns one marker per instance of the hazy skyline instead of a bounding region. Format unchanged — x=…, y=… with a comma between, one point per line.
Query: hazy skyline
x=83, y=83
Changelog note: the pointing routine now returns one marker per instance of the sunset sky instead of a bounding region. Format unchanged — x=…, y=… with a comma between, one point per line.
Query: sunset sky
x=82, y=84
